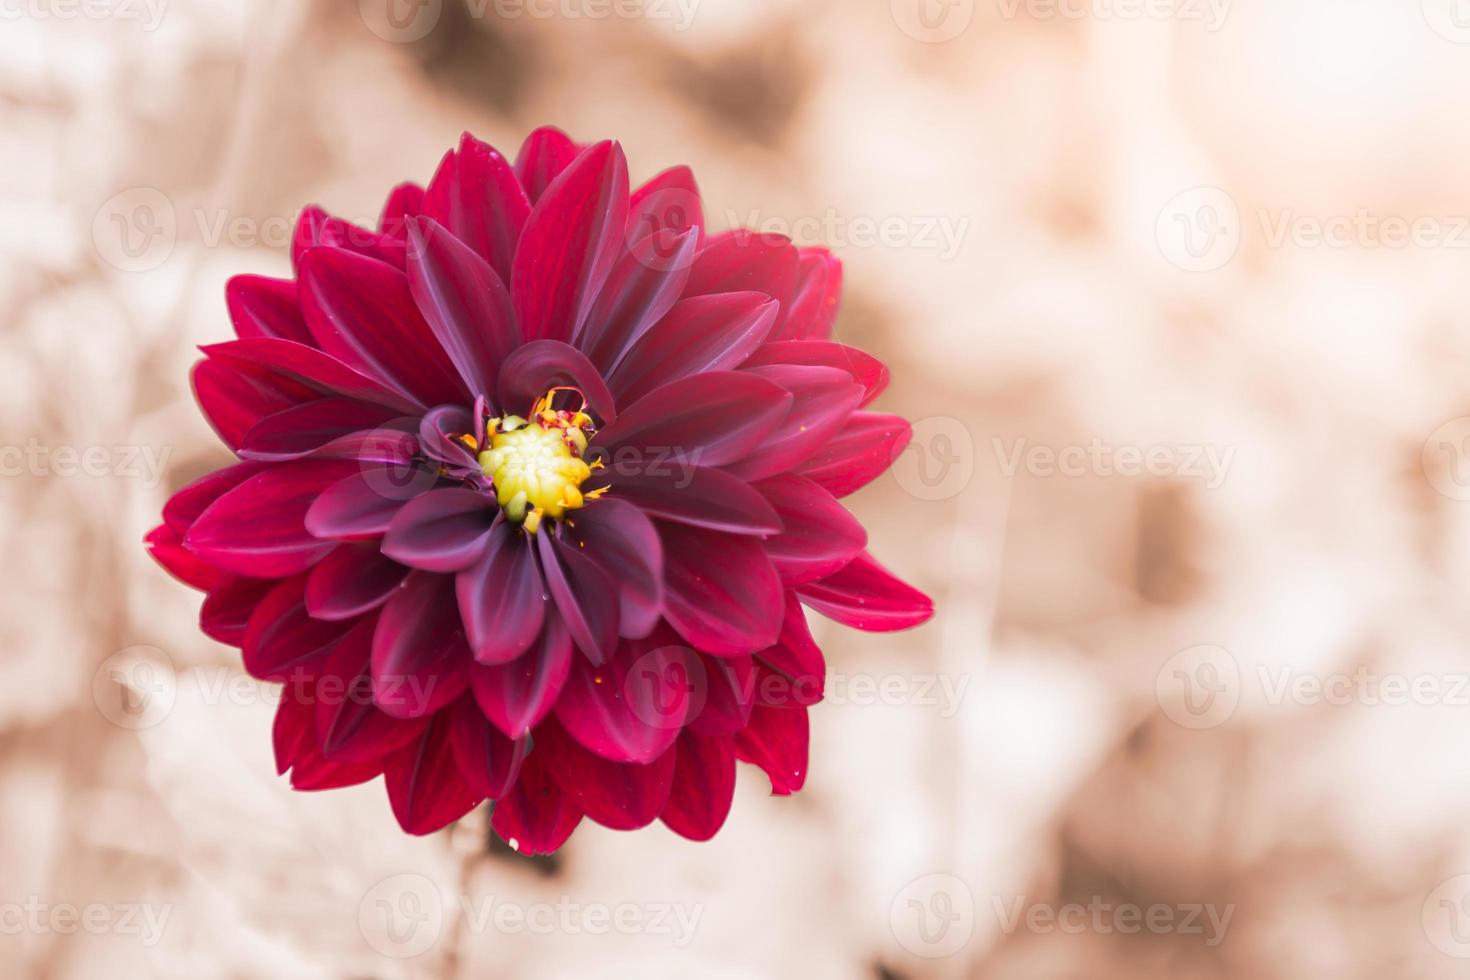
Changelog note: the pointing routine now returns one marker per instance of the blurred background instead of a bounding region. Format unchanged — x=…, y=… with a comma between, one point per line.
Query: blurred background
x=1176, y=294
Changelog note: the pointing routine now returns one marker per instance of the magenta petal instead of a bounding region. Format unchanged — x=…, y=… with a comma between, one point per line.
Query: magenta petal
x=585, y=596
x=517, y=695
x=259, y=527
x=476, y=196
x=698, y=495
x=703, y=333
x=234, y=398
x=743, y=260
x=865, y=369
x=865, y=446
x=813, y=307
x=704, y=786
x=304, y=429
x=820, y=536
x=306, y=366
x=352, y=579
x=540, y=365
x=362, y=313
x=501, y=597
x=824, y=398
x=620, y=538
x=797, y=659
x=542, y=157
x=349, y=727
x=166, y=546
x=404, y=201
x=488, y=761
x=419, y=655
x=777, y=740
x=282, y=641
x=535, y=817
x=424, y=783
x=315, y=228
x=464, y=302
x=643, y=285
x=185, y=506
x=722, y=594
x=728, y=686
x=631, y=708
x=441, y=531
x=867, y=596
x=623, y=796
x=264, y=307
x=571, y=240
x=708, y=420
x=226, y=611
x=294, y=735
x=668, y=202
x=363, y=504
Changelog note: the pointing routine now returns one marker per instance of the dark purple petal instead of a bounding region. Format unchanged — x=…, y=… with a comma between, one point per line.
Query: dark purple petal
x=623, y=796
x=441, y=531
x=362, y=313
x=820, y=536
x=259, y=527
x=703, y=333
x=865, y=369
x=488, y=760
x=349, y=728
x=620, y=538
x=476, y=196
x=698, y=495
x=352, y=579
x=282, y=641
x=517, y=695
x=865, y=446
x=824, y=398
x=502, y=598
x=586, y=596
x=535, y=817
x=304, y=429
x=867, y=596
x=543, y=156
x=709, y=420
x=264, y=307
x=777, y=740
x=363, y=504
x=540, y=365
x=419, y=652
x=721, y=592
x=424, y=783
x=570, y=242
x=643, y=285
x=631, y=708
x=704, y=786
x=439, y=436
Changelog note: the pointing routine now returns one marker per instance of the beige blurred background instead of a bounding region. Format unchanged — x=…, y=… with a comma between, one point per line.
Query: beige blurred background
x=1176, y=292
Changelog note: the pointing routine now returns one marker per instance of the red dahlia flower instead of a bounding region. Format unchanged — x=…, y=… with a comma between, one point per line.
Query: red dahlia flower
x=533, y=484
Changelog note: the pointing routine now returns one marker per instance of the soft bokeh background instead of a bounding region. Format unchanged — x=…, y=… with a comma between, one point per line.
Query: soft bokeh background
x=1177, y=294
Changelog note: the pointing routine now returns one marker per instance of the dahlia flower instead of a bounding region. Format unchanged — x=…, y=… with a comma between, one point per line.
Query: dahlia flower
x=533, y=484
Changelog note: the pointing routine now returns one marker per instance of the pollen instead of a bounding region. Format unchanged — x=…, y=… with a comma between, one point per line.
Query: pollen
x=536, y=464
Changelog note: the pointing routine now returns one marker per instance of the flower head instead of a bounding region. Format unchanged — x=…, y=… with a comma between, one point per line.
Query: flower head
x=533, y=484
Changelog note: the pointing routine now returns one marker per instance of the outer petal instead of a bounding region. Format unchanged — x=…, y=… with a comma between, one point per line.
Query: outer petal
x=234, y=398
x=703, y=333
x=820, y=536
x=488, y=761
x=362, y=504
x=264, y=307
x=867, y=596
x=420, y=660
x=349, y=728
x=796, y=660
x=865, y=446
x=728, y=686
x=644, y=285
x=824, y=399
x=620, y=795
x=813, y=307
x=307, y=366
x=704, y=786
x=668, y=202
x=226, y=611
x=571, y=240
x=424, y=783
x=865, y=369
x=476, y=195
x=517, y=695
x=296, y=747
x=631, y=708
x=535, y=817
x=698, y=495
x=502, y=599
x=307, y=428
x=167, y=548
x=543, y=156
x=723, y=596
x=745, y=260
x=283, y=642
x=184, y=507
x=709, y=420
x=777, y=740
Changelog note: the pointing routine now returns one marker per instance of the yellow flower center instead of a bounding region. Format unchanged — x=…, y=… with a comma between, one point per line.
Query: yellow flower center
x=536, y=465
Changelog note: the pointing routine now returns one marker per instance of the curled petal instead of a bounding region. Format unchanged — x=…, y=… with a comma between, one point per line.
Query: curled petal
x=867, y=596
x=537, y=367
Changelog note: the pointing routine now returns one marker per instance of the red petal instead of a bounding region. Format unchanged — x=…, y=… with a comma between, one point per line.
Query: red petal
x=167, y=548
x=307, y=366
x=488, y=761
x=441, y=531
x=184, y=507
x=728, y=686
x=668, y=202
x=867, y=596
x=543, y=156
x=865, y=446
x=233, y=398
x=824, y=399
x=796, y=660
x=711, y=420
x=264, y=307
x=644, y=285
x=501, y=597
x=363, y=504
x=419, y=655
x=304, y=429
x=623, y=796
x=535, y=817
x=813, y=307
x=620, y=538
x=698, y=495
x=704, y=786
x=776, y=740
x=704, y=333
x=723, y=596
x=819, y=535
x=424, y=783
x=744, y=260
x=349, y=728
x=865, y=369
x=476, y=195
x=353, y=579
x=517, y=695
x=631, y=708
x=226, y=611
x=281, y=641
x=586, y=596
